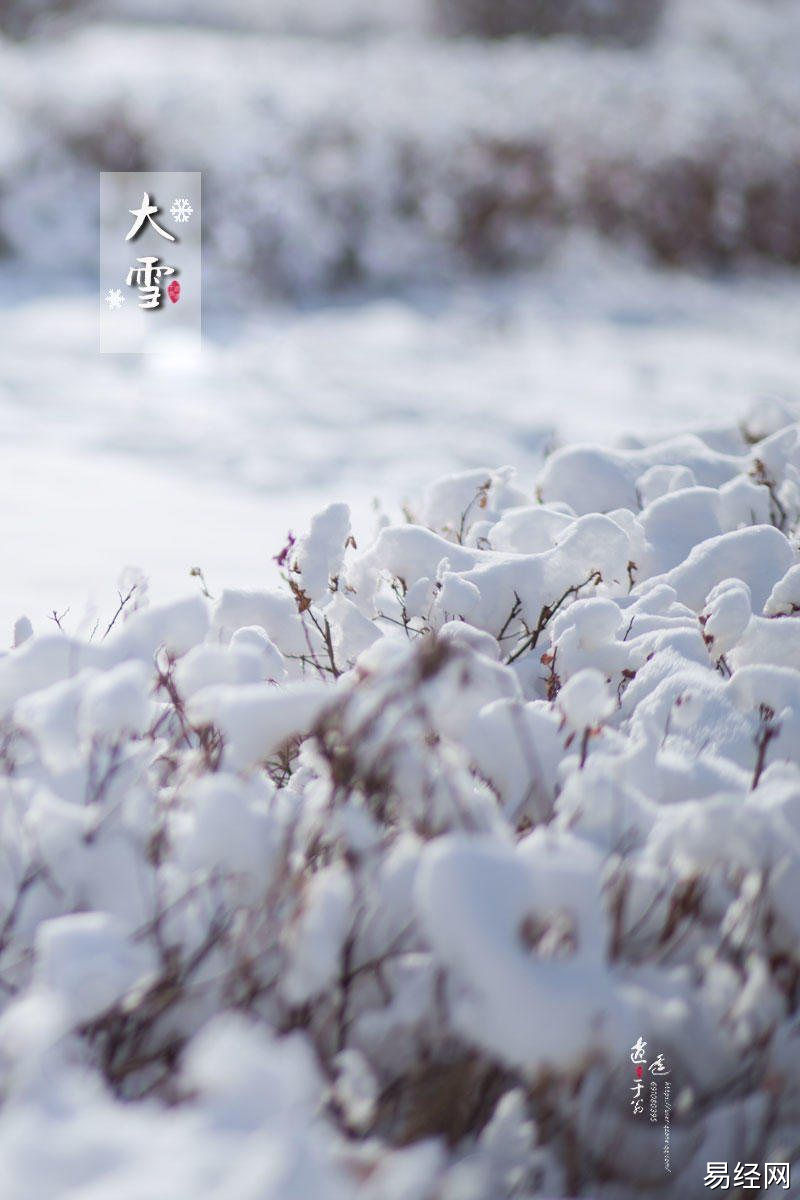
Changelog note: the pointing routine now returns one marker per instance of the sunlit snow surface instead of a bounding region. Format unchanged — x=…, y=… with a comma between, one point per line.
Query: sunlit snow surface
x=168, y=464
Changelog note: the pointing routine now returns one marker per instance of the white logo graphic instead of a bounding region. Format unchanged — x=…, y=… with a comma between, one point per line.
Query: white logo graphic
x=181, y=210
x=114, y=299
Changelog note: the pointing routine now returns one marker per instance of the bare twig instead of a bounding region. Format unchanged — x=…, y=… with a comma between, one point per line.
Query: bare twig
x=768, y=729
x=123, y=600
x=197, y=573
x=54, y=616
x=548, y=612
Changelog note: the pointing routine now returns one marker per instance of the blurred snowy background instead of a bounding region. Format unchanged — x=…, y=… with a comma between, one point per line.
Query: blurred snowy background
x=438, y=234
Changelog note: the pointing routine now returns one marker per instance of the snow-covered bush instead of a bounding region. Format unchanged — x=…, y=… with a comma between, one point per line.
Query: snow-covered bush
x=18, y=17
x=24, y=18
x=365, y=887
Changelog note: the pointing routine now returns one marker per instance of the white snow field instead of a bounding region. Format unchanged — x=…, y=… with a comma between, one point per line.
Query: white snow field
x=110, y=461
x=365, y=885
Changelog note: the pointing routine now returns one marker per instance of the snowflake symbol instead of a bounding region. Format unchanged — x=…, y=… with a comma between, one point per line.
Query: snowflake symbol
x=114, y=298
x=181, y=210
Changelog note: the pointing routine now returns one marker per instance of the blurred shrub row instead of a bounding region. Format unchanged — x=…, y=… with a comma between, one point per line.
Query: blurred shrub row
x=338, y=161
x=629, y=22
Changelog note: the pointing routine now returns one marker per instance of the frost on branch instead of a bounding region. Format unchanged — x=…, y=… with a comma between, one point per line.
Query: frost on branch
x=365, y=886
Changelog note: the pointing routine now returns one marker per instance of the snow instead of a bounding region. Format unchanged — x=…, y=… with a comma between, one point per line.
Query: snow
x=317, y=939
x=476, y=901
x=759, y=556
x=585, y=700
x=784, y=597
x=117, y=703
x=231, y=826
x=89, y=962
x=318, y=557
x=204, y=666
x=256, y=721
x=356, y=1088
